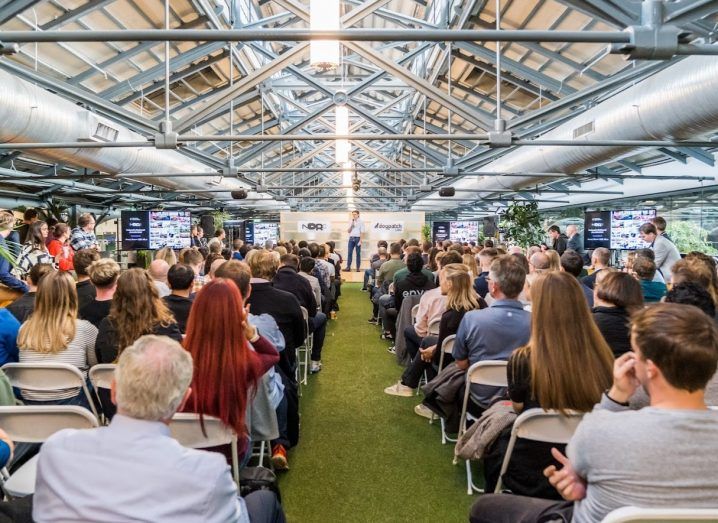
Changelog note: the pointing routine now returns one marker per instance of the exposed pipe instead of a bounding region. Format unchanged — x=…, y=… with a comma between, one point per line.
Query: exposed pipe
x=30, y=114
x=677, y=103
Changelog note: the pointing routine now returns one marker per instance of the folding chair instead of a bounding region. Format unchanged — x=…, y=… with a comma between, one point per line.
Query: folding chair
x=493, y=374
x=306, y=348
x=649, y=515
x=48, y=377
x=434, y=327
x=186, y=428
x=414, y=313
x=447, y=347
x=540, y=425
x=34, y=424
x=101, y=377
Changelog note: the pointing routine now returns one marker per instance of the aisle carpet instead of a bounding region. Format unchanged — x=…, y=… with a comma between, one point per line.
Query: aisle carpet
x=365, y=456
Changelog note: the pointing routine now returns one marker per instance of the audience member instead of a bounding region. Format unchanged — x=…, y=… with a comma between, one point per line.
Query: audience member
x=22, y=307
x=227, y=368
x=136, y=310
x=11, y=287
x=169, y=483
x=9, y=327
x=167, y=254
x=158, y=272
x=539, y=262
x=572, y=263
x=194, y=259
x=54, y=334
x=616, y=296
x=103, y=275
x=554, y=260
x=83, y=236
x=470, y=261
x=550, y=373
x=559, y=241
x=59, y=247
x=85, y=290
x=645, y=270
x=306, y=267
x=33, y=251
x=381, y=297
x=689, y=293
x=697, y=270
x=600, y=259
x=215, y=253
x=575, y=240
x=666, y=252
x=611, y=459
x=493, y=333
x=661, y=225
x=29, y=217
x=179, y=301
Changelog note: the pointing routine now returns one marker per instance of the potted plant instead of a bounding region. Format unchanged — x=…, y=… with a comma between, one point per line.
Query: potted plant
x=689, y=236
x=426, y=232
x=521, y=223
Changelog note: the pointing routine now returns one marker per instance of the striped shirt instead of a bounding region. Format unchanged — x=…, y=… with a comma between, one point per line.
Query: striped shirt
x=79, y=352
x=82, y=239
x=29, y=257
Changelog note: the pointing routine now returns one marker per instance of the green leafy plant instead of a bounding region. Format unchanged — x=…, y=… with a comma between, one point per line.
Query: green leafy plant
x=426, y=232
x=521, y=223
x=689, y=236
x=144, y=258
x=219, y=218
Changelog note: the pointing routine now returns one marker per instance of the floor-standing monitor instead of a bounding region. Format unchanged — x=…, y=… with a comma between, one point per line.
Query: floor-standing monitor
x=464, y=232
x=625, y=225
x=597, y=229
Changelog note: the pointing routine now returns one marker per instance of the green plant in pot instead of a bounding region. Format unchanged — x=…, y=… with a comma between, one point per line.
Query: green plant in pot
x=521, y=223
x=426, y=232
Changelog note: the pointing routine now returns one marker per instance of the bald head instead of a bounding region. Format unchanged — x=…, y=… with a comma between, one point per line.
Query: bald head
x=539, y=262
x=158, y=270
x=216, y=264
x=571, y=230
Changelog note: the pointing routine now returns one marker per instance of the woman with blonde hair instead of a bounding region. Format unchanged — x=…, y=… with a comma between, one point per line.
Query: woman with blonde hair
x=136, y=310
x=554, y=260
x=167, y=254
x=565, y=366
x=470, y=261
x=54, y=334
x=457, y=286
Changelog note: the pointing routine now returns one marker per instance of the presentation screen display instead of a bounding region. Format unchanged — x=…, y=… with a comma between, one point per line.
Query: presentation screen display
x=170, y=229
x=257, y=233
x=155, y=229
x=464, y=231
x=597, y=227
x=440, y=231
x=135, y=230
x=625, y=225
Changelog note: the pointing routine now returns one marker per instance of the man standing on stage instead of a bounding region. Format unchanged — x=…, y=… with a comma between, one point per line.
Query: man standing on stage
x=355, y=230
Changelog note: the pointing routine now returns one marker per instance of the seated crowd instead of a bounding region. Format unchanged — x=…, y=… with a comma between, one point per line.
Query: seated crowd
x=211, y=331
x=633, y=351
x=217, y=331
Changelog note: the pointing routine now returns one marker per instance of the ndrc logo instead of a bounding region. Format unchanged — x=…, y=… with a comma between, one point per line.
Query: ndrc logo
x=389, y=226
x=304, y=226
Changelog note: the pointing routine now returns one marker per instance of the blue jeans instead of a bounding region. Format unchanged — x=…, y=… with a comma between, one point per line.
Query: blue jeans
x=318, y=326
x=354, y=243
x=368, y=273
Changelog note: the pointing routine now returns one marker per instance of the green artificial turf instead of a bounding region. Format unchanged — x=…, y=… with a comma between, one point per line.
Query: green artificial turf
x=363, y=455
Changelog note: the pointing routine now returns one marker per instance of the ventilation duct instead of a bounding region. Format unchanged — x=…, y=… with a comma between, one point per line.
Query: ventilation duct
x=31, y=114
x=677, y=103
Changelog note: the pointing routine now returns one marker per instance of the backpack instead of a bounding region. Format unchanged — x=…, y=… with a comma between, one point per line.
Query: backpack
x=252, y=479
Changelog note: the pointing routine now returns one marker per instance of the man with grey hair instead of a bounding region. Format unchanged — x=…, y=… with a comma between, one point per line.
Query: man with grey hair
x=158, y=272
x=539, y=262
x=132, y=470
x=575, y=240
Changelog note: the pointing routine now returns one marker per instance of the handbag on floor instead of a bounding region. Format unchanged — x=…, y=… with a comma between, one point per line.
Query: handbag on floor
x=258, y=478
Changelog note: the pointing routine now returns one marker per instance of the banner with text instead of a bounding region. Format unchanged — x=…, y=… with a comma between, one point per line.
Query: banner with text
x=388, y=226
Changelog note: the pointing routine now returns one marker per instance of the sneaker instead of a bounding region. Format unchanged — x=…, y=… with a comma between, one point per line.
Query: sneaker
x=315, y=367
x=279, y=458
x=346, y=270
x=364, y=289
x=358, y=270
x=399, y=390
x=391, y=350
x=373, y=321
x=387, y=336
x=424, y=411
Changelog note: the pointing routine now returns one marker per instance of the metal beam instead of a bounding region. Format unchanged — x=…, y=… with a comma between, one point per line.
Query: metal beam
x=14, y=7
x=73, y=14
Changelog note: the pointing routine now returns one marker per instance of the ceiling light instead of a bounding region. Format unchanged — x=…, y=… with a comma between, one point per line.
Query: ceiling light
x=324, y=16
x=341, y=125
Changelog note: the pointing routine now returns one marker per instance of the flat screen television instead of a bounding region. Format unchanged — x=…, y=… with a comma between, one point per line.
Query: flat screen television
x=463, y=232
x=258, y=233
x=440, y=231
x=597, y=229
x=624, y=228
x=155, y=229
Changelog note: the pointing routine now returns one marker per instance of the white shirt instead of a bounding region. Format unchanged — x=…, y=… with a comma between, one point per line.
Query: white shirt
x=162, y=288
x=356, y=228
x=132, y=470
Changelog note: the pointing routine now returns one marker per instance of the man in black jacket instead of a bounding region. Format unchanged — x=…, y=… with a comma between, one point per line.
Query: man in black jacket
x=288, y=279
x=181, y=280
x=559, y=240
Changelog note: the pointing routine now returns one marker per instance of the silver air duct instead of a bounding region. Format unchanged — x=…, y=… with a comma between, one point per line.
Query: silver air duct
x=678, y=103
x=31, y=114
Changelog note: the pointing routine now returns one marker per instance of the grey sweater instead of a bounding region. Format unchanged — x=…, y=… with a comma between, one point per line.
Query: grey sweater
x=646, y=458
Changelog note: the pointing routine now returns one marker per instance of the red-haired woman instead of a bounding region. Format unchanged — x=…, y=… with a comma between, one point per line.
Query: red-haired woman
x=226, y=369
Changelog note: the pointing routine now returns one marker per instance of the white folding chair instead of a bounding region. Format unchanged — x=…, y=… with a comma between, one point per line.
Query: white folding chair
x=649, y=515
x=304, y=351
x=48, y=377
x=414, y=313
x=34, y=424
x=540, y=425
x=447, y=347
x=186, y=428
x=434, y=327
x=101, y=377
x=491, y=373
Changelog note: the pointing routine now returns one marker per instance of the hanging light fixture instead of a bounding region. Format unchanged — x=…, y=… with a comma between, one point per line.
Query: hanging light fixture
x=324, y=16
x=341, y=147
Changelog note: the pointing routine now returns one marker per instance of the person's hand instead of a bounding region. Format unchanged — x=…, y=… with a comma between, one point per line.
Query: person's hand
x=625, y=381
x=250, y=331
x=566, y=481
x=427, y=354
